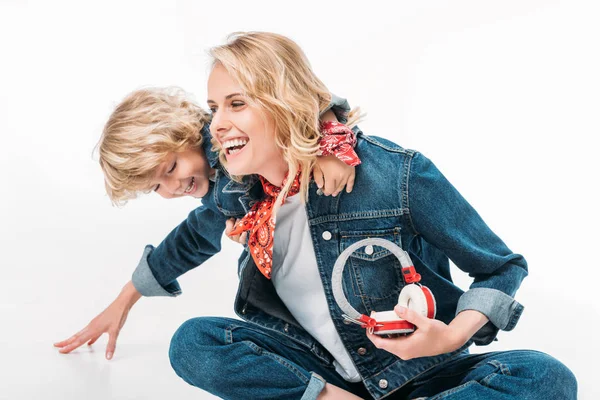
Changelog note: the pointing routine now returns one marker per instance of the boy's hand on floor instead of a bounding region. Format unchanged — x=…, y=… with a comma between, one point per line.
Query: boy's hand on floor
x=110, y=321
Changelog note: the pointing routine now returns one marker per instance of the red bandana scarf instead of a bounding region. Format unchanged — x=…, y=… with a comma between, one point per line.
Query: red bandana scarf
x=338, y=140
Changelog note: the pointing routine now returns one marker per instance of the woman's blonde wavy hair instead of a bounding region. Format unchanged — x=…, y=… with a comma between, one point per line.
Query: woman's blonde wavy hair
x=140, y=133
x=276, y=76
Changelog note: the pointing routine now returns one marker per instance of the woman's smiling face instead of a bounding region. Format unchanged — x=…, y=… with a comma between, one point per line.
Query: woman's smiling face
x=244, y=132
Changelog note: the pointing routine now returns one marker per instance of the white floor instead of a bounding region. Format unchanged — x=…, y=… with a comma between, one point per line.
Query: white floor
x=33, y=369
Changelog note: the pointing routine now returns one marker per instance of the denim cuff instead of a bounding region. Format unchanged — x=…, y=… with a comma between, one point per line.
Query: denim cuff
x=340, y=108
x=144, y=281
x=502, y=310
x=315, y=387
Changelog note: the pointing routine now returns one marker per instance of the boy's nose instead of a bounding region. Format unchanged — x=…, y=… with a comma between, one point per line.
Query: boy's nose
x=174, y=186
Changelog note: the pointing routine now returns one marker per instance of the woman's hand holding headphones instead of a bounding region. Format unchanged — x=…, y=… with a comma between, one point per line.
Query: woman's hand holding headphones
x=432, y=337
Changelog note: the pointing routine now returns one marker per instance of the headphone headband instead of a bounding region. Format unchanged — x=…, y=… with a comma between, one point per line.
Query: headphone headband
x=340, y=264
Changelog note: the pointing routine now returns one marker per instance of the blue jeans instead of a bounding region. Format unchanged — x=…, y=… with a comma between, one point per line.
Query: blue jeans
x=237, y=360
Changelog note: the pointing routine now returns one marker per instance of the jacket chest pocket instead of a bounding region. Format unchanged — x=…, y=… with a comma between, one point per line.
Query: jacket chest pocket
x=372, y=272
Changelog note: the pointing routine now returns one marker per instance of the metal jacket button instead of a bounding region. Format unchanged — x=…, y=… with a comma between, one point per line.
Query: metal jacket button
x=383, y=384
x=326, y=235
x=369, y=249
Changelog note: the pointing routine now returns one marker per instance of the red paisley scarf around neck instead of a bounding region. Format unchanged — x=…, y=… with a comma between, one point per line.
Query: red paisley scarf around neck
x=338, y=140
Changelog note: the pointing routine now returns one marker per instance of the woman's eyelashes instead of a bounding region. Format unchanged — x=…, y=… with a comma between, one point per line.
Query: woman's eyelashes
x=236, y=105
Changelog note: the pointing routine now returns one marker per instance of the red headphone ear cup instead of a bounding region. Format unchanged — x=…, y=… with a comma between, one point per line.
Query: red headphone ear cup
x=418, y=298
x=430, y=299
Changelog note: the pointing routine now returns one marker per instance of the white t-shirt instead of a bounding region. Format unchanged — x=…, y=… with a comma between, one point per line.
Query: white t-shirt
x=296, y=278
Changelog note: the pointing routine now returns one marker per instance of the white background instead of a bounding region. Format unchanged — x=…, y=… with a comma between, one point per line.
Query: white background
x=503, y=96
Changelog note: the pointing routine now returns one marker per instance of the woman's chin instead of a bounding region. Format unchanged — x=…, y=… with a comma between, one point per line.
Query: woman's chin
x=237, y=169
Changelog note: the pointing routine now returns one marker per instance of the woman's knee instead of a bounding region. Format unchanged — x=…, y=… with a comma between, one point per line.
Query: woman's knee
x=551, y=375
x=193, y=347
x=558, y=376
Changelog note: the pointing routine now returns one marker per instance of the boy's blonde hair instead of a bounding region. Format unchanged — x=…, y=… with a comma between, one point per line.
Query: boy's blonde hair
x=276, y=76
x=142, y=130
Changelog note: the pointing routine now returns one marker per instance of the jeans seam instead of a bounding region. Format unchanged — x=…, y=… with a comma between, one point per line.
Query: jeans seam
x=449, y=392
x=228, y=335
x=289, y=366
x=502, y=369
x=282, y=361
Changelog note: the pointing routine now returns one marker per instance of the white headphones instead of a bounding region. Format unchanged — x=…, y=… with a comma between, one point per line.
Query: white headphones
x=413, y=296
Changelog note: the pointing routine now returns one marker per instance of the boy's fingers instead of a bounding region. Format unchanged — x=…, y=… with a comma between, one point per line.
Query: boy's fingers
x=91, y=342
x=61, y=343
x=339, y=189
x=350, y=183
x=70, y=340
x=75, y=343
x=112, y=344
x=329, y=187
x=318, y=175
x=244, y=237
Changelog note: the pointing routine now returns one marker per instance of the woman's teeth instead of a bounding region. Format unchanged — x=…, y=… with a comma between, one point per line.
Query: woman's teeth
x=234, y=146
x=189, y=188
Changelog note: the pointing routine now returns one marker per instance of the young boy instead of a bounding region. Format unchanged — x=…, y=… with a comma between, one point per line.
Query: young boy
x=158, y=140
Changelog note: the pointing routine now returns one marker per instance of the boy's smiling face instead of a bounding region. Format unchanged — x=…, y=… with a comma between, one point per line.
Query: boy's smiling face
x=183, y=174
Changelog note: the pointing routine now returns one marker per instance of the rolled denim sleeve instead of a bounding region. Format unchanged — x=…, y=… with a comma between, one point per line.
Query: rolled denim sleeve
x=190, y=244
x=340, y=107
x=440, y=214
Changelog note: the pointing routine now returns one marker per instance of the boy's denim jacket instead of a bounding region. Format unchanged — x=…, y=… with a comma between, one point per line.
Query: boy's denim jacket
x=399, y=195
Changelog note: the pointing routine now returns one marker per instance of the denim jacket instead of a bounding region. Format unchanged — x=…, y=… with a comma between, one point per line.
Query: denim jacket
x=398, y=195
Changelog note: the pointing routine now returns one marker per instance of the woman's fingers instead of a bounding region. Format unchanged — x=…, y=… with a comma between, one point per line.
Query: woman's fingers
x=229, y=225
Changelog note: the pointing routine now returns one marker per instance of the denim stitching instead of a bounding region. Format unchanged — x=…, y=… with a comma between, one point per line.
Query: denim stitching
x=448, y=392
x=502, y=368
x=437, y=360
x=356, y=265
x=398, y=212
x=515, y=317
x=229, y=335
x=405, y=189
x=374, y=141
x=286, y=364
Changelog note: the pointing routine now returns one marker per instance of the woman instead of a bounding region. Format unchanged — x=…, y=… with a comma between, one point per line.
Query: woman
x=294, y=342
